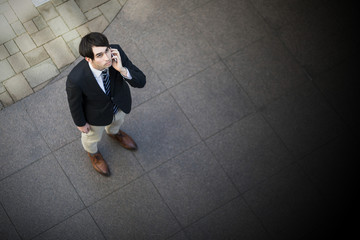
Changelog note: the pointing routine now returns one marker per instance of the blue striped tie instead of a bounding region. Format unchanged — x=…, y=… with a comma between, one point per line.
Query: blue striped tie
x=106, y=80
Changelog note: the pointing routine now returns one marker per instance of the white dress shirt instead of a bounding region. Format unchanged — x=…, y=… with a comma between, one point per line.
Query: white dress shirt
x=97, y=75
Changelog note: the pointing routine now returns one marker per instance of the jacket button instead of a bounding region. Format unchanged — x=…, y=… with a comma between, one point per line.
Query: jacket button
x=112, y=98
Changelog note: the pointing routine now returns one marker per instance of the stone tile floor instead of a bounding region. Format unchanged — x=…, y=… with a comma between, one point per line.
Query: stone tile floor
x=246, y=128
x=39, y=41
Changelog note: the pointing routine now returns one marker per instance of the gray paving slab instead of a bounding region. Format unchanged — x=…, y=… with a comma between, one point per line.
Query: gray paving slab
x=276, y=70
x=11, y=47
x=235, y=220
x=18, y=87
x=287, y=204
x=5, y=99
x=249, y=151
x=228, y=25
x=25, y=43
x=86, y=5
x=135, y=212
x=41, y=73
x=36, y=56
x=179, y=236
x=59, y=52
x=7, y=229
x=80, y=226
x=316, y=41
x=57, y=2
x=2, y=88
x=71, y=35
x=74, y=46
x=6, y=70
x=93, y=13
x=331, y=168
x=191, y=4
x=337, y=85
x=150, y=90
x=193, y=184
x=48, y=11
x=71, y=14
x=40, y=22
x=39, y=197
x=90, y=185
x=98, y=24
x=18, y=27
x=7, y=31
x=310, y=23
x=304, y=120
x=30, y=27
x=3, y=52
x=7, y=12
x=20, y=142
x=18, y=62
x=49, y=111
x=83, y=30
x=43, y=36
x=110, y=9
x=165, y=133
x=279, y=13
x=25, y=10
x=212, y=99
x=58, y=26
x=138, y=18
x=177, y=51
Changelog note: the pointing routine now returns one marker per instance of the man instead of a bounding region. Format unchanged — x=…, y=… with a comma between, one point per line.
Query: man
x=99, y=95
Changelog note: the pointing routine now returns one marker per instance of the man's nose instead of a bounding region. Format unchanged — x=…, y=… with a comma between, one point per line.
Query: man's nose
x=107, y=56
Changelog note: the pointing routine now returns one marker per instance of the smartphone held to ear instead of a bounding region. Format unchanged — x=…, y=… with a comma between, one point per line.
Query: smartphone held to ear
x=113, y=58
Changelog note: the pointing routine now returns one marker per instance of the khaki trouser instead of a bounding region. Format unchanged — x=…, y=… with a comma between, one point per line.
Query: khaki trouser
x=90, y=140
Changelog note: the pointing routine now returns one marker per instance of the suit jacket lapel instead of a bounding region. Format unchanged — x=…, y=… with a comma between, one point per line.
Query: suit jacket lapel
x=92, y=83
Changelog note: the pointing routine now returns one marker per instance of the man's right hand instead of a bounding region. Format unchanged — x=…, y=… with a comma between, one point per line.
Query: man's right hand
x=85, y=128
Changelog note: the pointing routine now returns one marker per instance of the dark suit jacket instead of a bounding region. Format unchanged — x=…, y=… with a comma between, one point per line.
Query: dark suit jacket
x=87, y=101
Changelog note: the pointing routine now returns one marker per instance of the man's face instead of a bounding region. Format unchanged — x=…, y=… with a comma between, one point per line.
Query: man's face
x=102, y=58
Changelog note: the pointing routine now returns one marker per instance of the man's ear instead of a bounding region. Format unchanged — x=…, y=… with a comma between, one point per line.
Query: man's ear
x=88, y=59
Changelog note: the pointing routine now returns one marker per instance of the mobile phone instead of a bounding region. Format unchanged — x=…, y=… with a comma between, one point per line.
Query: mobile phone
x=112, y=57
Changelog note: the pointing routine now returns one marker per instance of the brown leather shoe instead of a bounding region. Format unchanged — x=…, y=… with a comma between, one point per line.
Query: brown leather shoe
x=125, y=140
x=99, y=163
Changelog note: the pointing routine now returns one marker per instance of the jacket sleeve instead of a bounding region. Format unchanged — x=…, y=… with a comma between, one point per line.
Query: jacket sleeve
x=138, y=77
x=75, y=100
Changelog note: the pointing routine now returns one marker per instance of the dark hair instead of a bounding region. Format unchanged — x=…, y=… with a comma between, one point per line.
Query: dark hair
x=90, y=40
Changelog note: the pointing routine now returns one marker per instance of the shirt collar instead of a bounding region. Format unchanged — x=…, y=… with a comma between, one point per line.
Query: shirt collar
x=95, y=72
